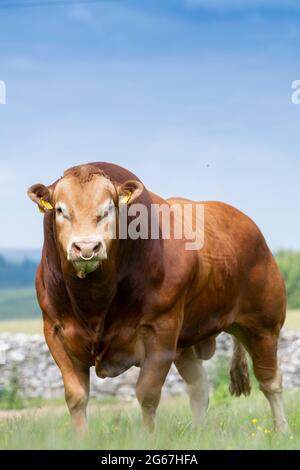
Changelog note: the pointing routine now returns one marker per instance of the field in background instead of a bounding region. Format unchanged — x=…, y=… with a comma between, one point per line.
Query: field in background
x=30, y=327
x=293, y=320
x=232, y=423
x=33, y=326
x=18, y=304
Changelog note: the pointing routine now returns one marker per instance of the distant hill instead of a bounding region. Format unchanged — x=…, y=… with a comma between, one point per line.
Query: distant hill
x=17, y=274
x=20, y=255
x=17, y=293
x=18, y=303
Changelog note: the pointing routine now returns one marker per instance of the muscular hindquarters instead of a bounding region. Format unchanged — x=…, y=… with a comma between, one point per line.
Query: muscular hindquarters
x=263, y=304
x=260, y=319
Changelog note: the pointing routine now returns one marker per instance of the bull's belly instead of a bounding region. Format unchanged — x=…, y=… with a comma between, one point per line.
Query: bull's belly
x=203, y=341
x=124, y=349
x=113, y=355
x=200, y=325
x=190, y=336
x=203, y=323
x=110, y=364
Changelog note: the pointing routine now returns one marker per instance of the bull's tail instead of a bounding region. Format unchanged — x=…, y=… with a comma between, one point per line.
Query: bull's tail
x=239, y=374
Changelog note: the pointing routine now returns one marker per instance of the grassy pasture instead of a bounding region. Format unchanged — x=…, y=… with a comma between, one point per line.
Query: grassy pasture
x=17, y=304
x=232, y=423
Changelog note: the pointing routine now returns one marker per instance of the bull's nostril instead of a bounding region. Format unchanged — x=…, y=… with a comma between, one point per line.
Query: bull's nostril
x=97, y=247
x=77, y=247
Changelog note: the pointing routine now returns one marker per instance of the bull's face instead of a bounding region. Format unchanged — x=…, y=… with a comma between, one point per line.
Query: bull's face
x=85, y=217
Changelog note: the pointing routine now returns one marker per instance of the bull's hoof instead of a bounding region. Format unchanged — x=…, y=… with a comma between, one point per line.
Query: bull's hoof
x=282, y=427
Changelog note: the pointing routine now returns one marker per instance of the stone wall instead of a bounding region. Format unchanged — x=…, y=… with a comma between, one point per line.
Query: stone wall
x=27, y=358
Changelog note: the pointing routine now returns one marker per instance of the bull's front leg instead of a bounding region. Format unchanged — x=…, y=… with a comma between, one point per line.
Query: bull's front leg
x=75, y=377
x=76, y=383
x=160, y=353
x=152, y=377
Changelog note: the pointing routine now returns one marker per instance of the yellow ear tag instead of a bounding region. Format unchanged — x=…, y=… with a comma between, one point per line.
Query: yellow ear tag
x=125, y=199
x=46, y=205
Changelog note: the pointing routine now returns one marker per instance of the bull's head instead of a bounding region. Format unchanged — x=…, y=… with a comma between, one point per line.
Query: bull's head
x=85, y=213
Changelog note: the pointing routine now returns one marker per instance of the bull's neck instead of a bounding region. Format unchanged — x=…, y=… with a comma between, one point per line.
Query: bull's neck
x=129, y=273
x=136, y=264
x=92, y=293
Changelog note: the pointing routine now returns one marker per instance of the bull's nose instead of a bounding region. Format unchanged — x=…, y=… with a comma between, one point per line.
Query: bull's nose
x=86, y=250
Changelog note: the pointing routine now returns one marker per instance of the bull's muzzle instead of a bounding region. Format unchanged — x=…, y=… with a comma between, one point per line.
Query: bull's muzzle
x=85, y=250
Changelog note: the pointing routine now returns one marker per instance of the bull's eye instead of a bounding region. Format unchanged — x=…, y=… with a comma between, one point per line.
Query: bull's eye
x=102, y=216
x=61, y=211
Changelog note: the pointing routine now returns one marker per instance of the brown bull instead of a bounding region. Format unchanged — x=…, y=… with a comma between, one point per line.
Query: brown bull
x=115, y=302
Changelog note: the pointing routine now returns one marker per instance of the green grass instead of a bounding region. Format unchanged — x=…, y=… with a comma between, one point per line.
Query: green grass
x=118, y=426
x=232, y=423
x=18, y=304
x=112, y=425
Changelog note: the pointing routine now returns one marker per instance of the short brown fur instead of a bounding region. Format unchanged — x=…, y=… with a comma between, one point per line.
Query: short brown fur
x=153, y=303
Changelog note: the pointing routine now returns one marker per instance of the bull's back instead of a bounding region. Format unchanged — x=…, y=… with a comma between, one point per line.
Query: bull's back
x=236, y=272
x=228, y=231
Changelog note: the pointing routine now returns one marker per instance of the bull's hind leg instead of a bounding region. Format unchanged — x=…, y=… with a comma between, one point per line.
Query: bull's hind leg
x=191, y=370
x=262, y=348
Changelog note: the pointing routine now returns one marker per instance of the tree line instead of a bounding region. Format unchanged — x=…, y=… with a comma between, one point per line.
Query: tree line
x=289, y=264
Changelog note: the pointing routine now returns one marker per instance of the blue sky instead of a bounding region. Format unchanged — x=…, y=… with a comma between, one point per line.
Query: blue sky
x=192, y=95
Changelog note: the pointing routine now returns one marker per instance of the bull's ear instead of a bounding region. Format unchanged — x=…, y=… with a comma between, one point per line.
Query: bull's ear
x=130, y=191
x=41, y=195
